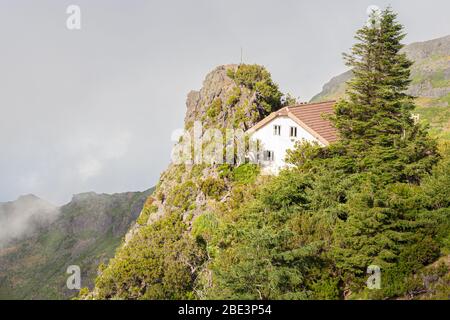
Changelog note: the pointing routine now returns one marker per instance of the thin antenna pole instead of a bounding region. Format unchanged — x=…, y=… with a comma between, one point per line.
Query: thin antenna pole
x=241, y=55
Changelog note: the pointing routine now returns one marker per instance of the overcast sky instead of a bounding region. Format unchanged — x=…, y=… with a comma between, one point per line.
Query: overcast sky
x=93, y=109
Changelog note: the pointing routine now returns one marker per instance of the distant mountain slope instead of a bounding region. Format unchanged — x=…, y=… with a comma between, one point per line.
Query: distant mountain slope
x=430, y=77
x=86, y=232
x=24, y=216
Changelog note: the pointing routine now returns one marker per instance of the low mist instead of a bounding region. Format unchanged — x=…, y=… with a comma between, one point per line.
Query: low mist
x=20, y=218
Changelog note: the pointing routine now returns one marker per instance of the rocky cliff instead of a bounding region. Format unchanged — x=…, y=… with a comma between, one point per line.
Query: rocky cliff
x=232, y=96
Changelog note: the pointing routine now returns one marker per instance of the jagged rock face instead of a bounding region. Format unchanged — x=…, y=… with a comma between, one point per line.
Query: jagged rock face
x=423, y=50
x=430, y=75
x=237, y=106
x=216, y=85
x=222, y=102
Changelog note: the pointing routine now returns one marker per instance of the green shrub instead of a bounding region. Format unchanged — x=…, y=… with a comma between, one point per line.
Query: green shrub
x=197, y=170
x=248, y=75
x=204, y=226
x=246, y=173
x=157, y=263
x=225, y=171
x=183, y=195
x=212, y=187
x=257, y=78
x=231, y=73
x=145, y=214
x=239, y=116
x=214, y=109
x=326, y=289
x=419, y=254
x=234, y=97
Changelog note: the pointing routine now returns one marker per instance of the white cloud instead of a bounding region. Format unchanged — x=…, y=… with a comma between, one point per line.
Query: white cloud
x=117, y=146
x=95, y=150
x=30, y=181
x=89, y=168
x=23, y=216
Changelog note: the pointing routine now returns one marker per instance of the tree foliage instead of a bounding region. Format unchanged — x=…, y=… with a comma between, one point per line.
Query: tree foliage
x=158, y=263
x=257, y=78
x=313, y=230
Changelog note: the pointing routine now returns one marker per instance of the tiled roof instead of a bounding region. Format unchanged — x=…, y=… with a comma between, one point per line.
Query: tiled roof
x=310, y=117
x=313, y=116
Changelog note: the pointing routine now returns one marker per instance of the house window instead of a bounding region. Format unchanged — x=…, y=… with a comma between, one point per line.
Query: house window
x=276, y=130
x=268, y=155
x=293, y=132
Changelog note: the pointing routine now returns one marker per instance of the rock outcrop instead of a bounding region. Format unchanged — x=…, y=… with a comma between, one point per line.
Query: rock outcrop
x=229, y=98
x=232, y=97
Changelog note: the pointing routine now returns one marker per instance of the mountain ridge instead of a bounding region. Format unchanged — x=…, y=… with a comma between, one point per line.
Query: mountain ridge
x=26, y=214
x=85, y=232
x=430, y=83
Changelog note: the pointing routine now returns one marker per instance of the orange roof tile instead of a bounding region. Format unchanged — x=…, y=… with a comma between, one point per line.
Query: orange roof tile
x=313, y=114
x=310, y=117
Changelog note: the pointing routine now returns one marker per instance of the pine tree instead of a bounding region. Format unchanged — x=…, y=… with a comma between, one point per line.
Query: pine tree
x=383, y=149
x=375, y=121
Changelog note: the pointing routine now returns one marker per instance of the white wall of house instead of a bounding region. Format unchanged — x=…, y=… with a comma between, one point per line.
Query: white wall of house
x=278, y=144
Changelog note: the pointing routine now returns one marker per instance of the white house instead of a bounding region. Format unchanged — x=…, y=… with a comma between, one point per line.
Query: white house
x=279, y=132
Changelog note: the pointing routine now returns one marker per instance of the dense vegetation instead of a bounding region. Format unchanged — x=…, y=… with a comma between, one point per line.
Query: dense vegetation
x=379, y=196
x=310, y=233
x=368, y=199
x=158, y=263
